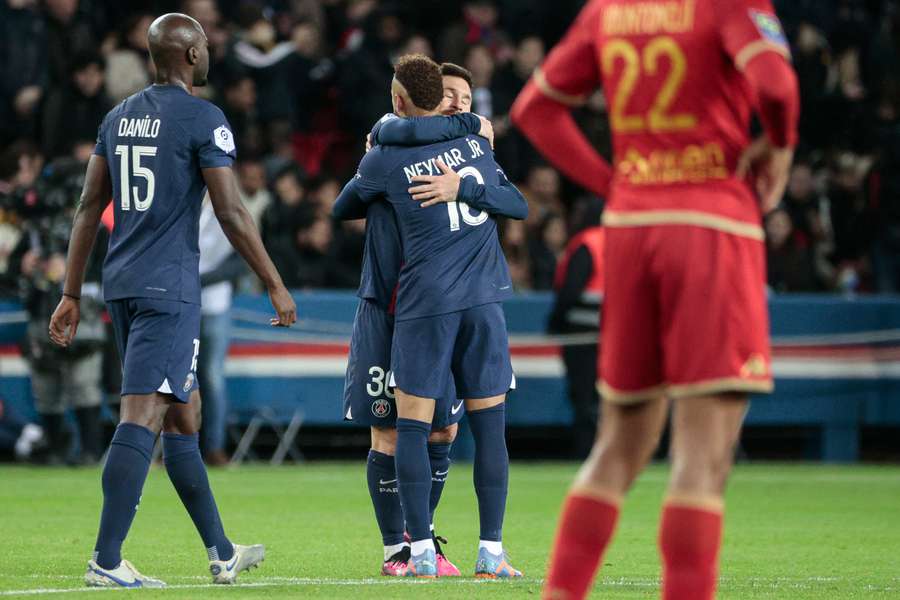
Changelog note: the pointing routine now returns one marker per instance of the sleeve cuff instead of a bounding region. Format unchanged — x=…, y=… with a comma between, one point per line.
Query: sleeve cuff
x=468, y=189
x=224, y=161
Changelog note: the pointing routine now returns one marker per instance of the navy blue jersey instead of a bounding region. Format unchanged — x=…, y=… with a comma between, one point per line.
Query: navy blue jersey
x=451, y=254
x=155, y=143
x=382, y=258
x=392, y=130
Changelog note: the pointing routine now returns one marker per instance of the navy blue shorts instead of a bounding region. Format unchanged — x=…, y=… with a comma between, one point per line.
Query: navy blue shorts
x=158, y=341
x=368, y=399
x=471, y=344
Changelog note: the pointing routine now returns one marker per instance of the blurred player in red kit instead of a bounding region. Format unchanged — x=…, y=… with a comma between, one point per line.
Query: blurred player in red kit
x=685, y=316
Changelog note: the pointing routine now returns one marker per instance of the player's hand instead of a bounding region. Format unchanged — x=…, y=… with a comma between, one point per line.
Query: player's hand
x=769, y=167
x=64, y=322
x=368, y=142
x=284, y=305
x=436, y=188
x=487, y=130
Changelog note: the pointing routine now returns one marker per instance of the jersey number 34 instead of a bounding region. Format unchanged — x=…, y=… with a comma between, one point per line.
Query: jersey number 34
x=129, y=168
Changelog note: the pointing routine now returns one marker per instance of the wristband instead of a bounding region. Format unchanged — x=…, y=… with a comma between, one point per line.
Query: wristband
x=72, y=296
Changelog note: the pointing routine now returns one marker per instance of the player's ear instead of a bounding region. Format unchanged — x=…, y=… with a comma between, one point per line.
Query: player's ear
x=193, y=55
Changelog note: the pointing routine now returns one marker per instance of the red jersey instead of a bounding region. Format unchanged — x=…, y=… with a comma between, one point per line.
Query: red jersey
x=679, y=106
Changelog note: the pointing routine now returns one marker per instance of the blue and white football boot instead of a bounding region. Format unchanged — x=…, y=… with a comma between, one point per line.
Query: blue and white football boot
x=245, y=557
x=123, y=576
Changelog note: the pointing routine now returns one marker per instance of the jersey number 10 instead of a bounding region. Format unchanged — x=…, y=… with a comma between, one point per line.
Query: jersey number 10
x=134, y=169
x=455, y=209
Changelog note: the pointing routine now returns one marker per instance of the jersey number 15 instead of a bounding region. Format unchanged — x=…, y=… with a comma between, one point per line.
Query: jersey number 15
x=134, y=169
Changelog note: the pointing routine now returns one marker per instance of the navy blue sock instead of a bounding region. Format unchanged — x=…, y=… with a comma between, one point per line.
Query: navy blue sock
x=188, y=475
x=439, y=455
x=123, y=479
x=491, y=469
x=414, y=476
x=382, y=478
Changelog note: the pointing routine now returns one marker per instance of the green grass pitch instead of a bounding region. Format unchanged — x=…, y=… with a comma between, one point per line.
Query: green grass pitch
x=795, y=532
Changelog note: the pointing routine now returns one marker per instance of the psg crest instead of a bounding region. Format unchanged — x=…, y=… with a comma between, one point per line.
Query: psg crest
x=189, y=382
x=381, y=408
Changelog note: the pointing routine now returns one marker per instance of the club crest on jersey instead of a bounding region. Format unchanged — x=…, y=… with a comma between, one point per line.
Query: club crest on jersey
x=381, y=408
x=224, y=139
x=188, y=383
x=769, y=27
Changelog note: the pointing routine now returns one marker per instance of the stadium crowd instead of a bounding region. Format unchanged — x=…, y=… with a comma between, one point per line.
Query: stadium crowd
x=302, y=81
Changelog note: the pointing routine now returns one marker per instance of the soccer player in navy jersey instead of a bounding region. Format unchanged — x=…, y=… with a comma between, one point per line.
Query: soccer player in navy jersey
x=368, y=399
x=449, y=319
x=156, y=153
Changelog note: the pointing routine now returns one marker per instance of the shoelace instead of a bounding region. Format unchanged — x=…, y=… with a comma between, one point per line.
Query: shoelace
x=402, y=556
x=438, y=540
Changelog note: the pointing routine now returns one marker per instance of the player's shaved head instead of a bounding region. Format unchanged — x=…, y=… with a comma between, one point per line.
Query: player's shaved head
x=178, y=45
x=417, y=80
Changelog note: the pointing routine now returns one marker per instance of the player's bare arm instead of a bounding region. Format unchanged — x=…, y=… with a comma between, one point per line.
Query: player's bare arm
x=241, y=231
x=95, y=196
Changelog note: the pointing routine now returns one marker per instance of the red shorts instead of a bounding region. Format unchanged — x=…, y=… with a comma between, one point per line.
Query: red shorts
x=684, y=314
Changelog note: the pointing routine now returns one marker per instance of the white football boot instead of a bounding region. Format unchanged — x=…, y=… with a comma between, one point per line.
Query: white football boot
x=125, y=576
x=245, y=557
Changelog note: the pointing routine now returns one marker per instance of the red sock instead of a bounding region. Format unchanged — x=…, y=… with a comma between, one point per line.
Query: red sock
x=689, y=539
x=585, y=530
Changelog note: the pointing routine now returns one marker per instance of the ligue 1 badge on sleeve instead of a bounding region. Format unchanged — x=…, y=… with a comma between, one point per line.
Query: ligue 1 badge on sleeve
x=224, y=139
x=381, y=408
x=188, y=383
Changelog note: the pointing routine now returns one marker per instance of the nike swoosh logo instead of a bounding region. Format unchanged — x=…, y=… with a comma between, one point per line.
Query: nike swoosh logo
x=231, y=566
x=455, y=409
x=119, y=580
x=439, y=474
x=383, y=482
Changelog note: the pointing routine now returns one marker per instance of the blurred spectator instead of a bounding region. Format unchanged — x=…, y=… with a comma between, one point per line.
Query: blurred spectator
x=251, y=176
x=128, y=67
x=515, y=246
x=315, y=264
x=578, y=287
x=479, y=61
x=852, y=220
x=239, y=105
x=301, y=82
x=545, y=248
x=23, y=68
x=512, y=149
x=365, y=73
x=220, y=265
x=74, y=110
x=543, y=190
x=282, y=216
x=887, y=220
x=69, y=35
x=790, y=260
x=61, y=378
x=18, y=435
x=479, y=26
x=20, y=165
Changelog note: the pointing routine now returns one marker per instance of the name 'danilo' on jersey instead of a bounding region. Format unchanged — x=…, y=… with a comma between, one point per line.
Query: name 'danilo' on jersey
x=141, y=128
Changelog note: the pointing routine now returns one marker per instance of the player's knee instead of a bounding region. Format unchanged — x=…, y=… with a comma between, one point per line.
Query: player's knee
x=704, y=474
x=445, y=435
x=384, y=440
